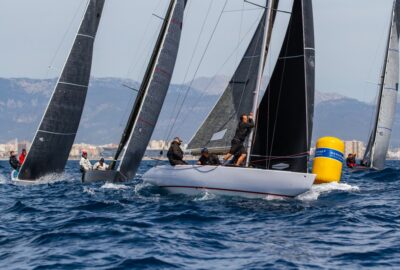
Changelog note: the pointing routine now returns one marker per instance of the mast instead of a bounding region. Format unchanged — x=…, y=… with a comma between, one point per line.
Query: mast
x=265, y=43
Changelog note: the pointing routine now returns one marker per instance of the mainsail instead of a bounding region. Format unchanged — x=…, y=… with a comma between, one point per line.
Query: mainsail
x=378, y=144
x=56, y=133
x=285, y=116
x=150, y=99
x=218, y=129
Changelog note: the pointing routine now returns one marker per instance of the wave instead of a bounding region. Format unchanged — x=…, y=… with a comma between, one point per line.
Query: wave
x=317, y=190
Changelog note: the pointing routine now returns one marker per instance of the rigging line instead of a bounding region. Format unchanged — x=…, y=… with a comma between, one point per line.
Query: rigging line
x=241, y=10
x=380, y=72
x=207, y=88
x=142, y=40
x=143, y=67
x=167, y=134
x=198, y=67
x=53, y=59
x=289, y=31
x=247, y=76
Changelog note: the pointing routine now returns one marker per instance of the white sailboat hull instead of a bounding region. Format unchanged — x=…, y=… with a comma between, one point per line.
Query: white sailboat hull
x=232, y=181
x=16, y=181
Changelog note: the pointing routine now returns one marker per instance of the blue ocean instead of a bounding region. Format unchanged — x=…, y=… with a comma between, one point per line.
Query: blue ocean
x=63, y=224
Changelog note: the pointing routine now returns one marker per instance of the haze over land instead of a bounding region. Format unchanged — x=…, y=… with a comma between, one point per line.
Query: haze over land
x=23, y=102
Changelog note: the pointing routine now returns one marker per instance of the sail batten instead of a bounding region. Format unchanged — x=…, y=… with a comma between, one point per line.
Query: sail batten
x=57, y=130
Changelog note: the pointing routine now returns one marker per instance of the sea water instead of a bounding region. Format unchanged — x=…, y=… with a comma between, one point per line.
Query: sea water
x=62, y=224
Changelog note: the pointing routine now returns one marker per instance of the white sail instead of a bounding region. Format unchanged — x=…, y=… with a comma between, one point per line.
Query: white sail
x=378, y=145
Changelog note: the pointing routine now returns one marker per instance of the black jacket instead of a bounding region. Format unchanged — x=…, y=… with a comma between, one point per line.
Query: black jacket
x=243, y=130
x=175, y=154
x=211, y=160
x=14, y=162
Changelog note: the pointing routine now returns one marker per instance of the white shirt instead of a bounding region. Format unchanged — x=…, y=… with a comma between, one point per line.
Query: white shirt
x=97, y=166
x=85, y=164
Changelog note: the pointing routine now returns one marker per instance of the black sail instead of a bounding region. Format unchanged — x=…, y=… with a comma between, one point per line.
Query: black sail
x=56, y=133
x=285, y=116
x=153, y=90
x=218, y=129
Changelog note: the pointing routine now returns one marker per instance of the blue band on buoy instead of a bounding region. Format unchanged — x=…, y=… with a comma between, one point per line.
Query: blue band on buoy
x=329, y=153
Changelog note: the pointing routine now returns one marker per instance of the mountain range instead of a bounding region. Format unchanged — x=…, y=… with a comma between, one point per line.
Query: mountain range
x=23, y=101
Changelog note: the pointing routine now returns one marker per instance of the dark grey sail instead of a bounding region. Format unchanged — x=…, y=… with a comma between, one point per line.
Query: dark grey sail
x=285, y=117
x=150, y=98
x=56, y=133
x=378, y=144
x=218, y=129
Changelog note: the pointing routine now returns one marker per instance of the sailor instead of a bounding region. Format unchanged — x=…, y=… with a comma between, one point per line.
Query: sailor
x=351, y=160
x=85, y=164
x=100, y=165
x=175, y=153
x=14, y=163
x=22, y=156
x=208, y=159
x=237, y=144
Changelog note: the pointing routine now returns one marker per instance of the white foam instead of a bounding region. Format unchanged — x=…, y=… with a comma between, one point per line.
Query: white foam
x=47, y=179
x=140, y=186
x=274, y=198
x=114, y=186
x=316, y=190
x=206, y=196
x=89, y=191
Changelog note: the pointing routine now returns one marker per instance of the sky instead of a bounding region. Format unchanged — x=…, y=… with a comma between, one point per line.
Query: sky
x=35, y=38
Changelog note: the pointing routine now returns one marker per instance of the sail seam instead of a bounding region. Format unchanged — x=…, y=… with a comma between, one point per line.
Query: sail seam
x=57, y=133
x=290, y=57
x=88, y=36
x=74, y=84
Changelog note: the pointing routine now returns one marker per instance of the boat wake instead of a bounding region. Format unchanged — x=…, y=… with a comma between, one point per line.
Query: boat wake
x=317, y=190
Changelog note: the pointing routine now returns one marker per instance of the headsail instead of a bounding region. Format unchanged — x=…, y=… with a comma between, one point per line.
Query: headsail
x=285, y=117
x=218, y=129
x=378, y=144
x=56, y=133
x=153, y=90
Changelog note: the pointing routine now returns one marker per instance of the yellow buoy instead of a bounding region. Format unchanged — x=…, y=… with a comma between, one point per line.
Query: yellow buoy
x=328, y=161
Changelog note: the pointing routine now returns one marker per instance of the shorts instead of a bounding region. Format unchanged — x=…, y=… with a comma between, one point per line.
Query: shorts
x=237, y=148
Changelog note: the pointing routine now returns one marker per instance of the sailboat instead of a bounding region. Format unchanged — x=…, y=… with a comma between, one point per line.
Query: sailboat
x=278, y=149
x=148, y=103
x=57, y=130
x=378, y=143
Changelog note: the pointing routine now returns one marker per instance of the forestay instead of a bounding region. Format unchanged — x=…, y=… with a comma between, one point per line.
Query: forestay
x=378, y=143
x=285, y=117
x=56, y=133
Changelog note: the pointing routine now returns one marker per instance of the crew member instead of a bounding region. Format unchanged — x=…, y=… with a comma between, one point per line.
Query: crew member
x=237, y=144
x=14, y=163
x=175, y=153
x=84, y=164
x=22, y=156
x=208, y=159
x=100, y=165
x=351, y=161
